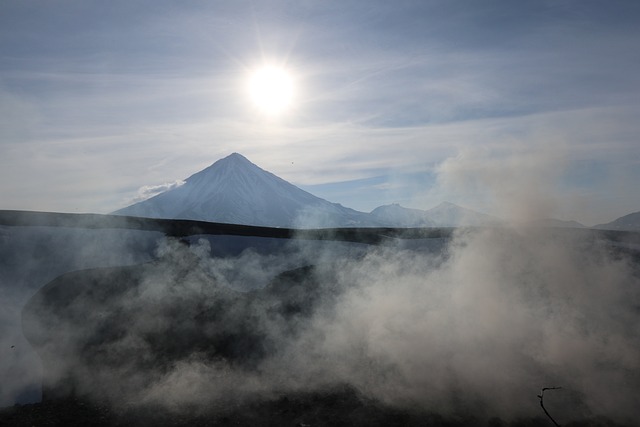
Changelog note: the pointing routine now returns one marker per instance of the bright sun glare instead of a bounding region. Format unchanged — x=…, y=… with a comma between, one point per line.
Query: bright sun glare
x=271, y=89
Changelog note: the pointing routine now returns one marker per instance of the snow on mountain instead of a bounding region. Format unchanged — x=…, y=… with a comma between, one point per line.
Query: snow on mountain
x=234, y=190
x=629, y=222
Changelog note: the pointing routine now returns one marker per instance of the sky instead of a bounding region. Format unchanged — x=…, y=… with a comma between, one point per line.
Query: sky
x=410, y=102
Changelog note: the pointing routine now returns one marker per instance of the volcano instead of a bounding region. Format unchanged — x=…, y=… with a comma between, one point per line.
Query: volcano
x=234, y=190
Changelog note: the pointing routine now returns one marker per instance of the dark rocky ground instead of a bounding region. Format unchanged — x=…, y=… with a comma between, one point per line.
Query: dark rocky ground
x=342, y=407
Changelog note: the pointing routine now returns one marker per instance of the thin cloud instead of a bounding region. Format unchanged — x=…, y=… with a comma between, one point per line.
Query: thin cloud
x=148, y=191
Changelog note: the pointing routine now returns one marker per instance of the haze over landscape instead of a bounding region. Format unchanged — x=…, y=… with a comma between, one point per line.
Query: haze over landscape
x=357, y=213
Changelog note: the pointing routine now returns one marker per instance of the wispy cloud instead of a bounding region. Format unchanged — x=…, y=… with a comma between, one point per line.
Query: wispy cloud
x=147, y=191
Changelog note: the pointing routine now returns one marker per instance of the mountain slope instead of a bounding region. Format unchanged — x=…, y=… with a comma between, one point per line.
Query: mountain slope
x=234, y=190
x=629, y=222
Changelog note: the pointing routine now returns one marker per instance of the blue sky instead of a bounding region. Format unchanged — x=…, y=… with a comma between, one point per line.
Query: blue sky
x=527, y=108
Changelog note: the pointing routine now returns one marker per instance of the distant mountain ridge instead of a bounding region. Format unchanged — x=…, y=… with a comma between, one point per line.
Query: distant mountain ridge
x=552, y=222
x=234, y=190
x=394, y=214
x=446, y=214
x=630, y=222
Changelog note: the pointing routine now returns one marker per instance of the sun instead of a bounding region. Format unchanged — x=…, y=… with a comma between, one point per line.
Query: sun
x=271, y=89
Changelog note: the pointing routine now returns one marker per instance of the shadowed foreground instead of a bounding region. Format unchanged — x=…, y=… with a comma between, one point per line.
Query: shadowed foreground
x=337, y=407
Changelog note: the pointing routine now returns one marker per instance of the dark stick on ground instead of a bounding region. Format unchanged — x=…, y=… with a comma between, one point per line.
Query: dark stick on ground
x=541, y=397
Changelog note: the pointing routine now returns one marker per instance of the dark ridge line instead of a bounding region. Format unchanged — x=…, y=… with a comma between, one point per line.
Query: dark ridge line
x=185, y=227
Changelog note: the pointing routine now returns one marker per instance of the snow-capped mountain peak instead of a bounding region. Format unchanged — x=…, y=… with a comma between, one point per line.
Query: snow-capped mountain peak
x=234, y=190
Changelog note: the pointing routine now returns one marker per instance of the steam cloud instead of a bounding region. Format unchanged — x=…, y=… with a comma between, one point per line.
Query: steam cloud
x=479, y=330
x=521, y=184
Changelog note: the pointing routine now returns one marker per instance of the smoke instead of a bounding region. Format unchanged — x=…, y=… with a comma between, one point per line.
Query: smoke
x=521, y=185
x=478, y=328
x=29, y=258
x=508, y=312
